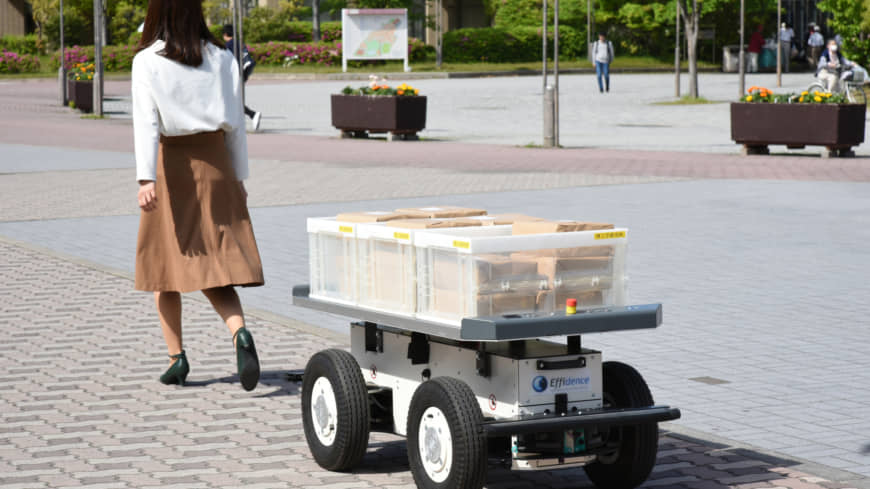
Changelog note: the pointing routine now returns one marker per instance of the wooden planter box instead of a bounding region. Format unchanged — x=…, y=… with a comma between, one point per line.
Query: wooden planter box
x=81, y=93
x=837, y=127
x=360, y=115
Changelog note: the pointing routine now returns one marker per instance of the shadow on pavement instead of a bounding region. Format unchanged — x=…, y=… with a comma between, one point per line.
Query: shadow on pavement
x=683, y=461
x=268, y=378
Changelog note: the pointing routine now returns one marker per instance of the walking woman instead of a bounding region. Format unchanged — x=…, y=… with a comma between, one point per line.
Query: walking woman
x=191, y=159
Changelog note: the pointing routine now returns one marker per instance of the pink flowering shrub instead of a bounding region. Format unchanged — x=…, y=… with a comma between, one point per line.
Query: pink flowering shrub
x=18, y=63
x=275, y=53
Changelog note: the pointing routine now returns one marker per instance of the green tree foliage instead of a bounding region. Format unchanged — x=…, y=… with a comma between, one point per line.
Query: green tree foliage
x=125, y=21
x=851, y=20
x=43, y=11
x=78, y=19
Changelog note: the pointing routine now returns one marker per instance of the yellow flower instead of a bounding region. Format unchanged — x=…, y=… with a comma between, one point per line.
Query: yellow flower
x=805, y=93
x=90, y=77
x=817, y=98
x=816, y=93
x=801, y=99
x=416, y=92
x=828, y=95
x=749, y=98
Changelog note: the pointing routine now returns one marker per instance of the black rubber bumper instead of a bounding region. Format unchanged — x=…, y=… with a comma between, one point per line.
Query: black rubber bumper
x=544, y=423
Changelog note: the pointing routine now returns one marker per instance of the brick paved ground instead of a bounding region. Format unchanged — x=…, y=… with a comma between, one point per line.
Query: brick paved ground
x=81, y=407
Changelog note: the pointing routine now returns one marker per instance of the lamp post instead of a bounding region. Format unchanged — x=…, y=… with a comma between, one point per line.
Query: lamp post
x=98, y=58
x=544, y=46
x=64, y=96
x=742, y=58
x=779, y=59
x=555, y=73
x=677, y=53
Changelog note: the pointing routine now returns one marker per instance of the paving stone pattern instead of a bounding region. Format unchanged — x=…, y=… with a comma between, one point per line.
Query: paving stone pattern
x=81, y=407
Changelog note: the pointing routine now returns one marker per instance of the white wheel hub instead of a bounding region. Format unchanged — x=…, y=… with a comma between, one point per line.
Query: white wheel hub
x=324, y=411
x=435, y=444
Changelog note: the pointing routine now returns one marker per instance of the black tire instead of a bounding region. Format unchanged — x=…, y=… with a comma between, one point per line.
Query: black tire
x=460, y=408
x=352, y=403
x=632, y=464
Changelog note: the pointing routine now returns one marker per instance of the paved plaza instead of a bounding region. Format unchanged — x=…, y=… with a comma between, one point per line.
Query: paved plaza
x=760, y=262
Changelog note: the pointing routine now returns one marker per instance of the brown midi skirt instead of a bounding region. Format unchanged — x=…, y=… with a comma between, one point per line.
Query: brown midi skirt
x=200, y=234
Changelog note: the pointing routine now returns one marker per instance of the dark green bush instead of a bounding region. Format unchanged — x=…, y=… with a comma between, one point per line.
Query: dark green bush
x=20, y=44
x=500, y=45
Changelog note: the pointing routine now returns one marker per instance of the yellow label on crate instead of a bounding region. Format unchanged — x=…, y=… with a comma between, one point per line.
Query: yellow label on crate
x=610, y=235
x=461, y=244
x=398, y=235
x=345, y=229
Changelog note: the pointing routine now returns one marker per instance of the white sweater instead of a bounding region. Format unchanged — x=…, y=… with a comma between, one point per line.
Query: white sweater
x=174, y=99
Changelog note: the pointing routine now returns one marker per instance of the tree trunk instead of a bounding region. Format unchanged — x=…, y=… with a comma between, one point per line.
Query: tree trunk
x=691, y=21
x=692, y=41
x=315, y=20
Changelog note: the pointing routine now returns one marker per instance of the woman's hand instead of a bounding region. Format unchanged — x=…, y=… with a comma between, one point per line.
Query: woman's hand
x=147, y=195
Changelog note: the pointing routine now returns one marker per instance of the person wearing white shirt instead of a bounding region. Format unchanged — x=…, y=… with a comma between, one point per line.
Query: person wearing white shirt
x=786, y=36
x=815, y=43
x=191, y=154
x=602, y=56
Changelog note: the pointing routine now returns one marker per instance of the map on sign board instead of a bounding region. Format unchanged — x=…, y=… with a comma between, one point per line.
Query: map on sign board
x=380, y=41
x=374, y=33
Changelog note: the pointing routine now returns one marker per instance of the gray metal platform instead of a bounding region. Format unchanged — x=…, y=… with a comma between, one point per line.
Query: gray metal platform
x=500, y=328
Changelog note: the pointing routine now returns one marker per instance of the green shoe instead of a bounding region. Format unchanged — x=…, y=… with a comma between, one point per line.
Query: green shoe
x=246, y=356
x=177, y=372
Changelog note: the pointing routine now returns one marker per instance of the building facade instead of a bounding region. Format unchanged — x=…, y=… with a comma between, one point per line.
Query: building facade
x=14, y=17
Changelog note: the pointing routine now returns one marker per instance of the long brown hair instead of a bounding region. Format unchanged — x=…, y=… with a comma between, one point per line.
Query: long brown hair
x=181, y=25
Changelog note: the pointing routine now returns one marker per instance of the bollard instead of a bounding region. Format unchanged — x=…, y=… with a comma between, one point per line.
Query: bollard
x=549, y=117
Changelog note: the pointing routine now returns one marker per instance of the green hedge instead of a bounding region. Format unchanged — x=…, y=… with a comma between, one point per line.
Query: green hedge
x=500, y=45
x=20, y=44
x=296, y=31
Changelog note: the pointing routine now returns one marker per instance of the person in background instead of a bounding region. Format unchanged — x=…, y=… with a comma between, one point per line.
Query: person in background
x=815, y=44
x=248, y=64
x=832, y=67
x=756, y=42
x=602, y=56
x=191, y=154
x=786, y=36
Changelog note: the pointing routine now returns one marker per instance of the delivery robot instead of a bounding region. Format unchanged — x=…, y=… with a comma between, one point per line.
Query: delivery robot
x=492, y=389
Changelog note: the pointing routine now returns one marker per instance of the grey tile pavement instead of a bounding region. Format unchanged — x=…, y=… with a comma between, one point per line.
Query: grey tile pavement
x=80, y=405
x=763, y=285
x=507, y=110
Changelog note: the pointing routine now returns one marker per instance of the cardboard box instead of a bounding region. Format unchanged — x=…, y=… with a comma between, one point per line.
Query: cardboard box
x=389, y=276
x=552, y=266
x=441, y=211
x=371, y=216
x=485, y=269
x=428, y=223
x=578, y=252
x=503, y=219
x=448, y=303
x=546, y=227
x=554, y=300
x=509, y=303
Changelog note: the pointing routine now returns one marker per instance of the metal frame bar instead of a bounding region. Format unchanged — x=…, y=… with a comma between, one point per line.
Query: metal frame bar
x=557, y=422
x=598, y=320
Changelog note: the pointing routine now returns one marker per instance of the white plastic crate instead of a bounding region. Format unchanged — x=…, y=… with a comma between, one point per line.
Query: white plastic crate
x=387, y=268
x=332, y=262
x=486, y=271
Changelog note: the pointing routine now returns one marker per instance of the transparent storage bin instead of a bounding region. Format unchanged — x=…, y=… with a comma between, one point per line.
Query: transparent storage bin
x=332, y=261
x=387, y=268
x=486, y=271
